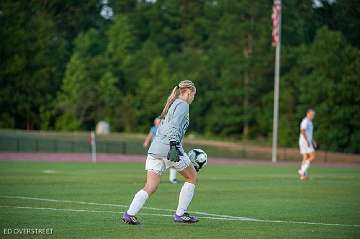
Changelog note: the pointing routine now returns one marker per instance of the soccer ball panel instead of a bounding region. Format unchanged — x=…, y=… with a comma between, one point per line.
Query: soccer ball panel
x=198, y=158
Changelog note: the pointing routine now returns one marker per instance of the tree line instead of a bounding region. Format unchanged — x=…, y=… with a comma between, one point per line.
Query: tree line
x=64, y=67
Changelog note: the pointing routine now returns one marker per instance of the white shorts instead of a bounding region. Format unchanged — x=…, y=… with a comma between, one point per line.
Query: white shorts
x=304, y=147
x=159, y=165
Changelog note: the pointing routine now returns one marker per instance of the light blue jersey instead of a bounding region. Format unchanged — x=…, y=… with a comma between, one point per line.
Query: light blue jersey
x=172, y=128
x=307, y=125
x=153, y=131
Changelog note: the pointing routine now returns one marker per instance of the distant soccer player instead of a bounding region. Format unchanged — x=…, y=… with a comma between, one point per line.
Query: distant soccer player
x=149, y=138
x=307, y=144
x=152, y=132
x=166, y=151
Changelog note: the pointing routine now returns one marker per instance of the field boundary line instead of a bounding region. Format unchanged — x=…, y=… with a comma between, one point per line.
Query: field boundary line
x=210, y=216
x=119, y=205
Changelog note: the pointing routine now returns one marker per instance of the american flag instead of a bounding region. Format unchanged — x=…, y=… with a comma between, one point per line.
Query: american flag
x=276, y=14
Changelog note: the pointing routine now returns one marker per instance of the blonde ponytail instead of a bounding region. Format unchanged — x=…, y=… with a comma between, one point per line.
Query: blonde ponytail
x=172, y=97
x=175, y=94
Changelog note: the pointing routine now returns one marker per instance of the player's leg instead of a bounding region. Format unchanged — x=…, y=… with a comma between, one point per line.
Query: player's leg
x=186, y=195
x=304, y=168
x=309, y=159
x=152, y=182
x=172, y=175
x=155, y=168
x=306, y=151
x=304, y=162
x=312, y=156
x=302, y=148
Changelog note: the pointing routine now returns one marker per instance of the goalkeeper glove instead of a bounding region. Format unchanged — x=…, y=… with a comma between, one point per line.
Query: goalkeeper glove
x=174, y=152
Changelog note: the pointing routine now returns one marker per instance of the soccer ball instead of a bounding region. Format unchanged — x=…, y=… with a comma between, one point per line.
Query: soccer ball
x=198, y=157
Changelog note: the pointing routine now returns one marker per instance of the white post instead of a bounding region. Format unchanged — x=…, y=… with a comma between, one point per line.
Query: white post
x=276, y=92
x=93, y=146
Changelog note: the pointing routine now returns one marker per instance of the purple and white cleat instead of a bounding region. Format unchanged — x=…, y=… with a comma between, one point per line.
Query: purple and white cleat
x=131, y=220
x=185, y=218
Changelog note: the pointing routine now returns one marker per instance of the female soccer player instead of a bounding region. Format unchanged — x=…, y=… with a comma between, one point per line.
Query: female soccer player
x=149, y=138
x=166, y=151
x=307, y=144
x=152, y=133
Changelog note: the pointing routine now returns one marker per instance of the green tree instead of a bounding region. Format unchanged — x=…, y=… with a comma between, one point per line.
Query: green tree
x=111, y=100
x=324, y=77
x=241, y=56
x=153, y=90
x=78, y=100
x=31, y=70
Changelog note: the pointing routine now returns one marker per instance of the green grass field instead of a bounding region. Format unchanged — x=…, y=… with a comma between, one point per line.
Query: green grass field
x=269, y=193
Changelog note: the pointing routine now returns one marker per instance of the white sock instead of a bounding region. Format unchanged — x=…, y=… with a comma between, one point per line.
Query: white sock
x=186, y=194
x=305, y=166
x=138, y=202
x=172, y=174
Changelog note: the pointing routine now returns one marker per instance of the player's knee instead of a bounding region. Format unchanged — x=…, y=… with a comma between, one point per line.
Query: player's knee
x=192, y=178
x=150, y=189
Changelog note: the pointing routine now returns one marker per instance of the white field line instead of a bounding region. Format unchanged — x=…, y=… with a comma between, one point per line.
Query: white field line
x=119, y=205
x=101, y=211
x=77, y=210
x=219, y=217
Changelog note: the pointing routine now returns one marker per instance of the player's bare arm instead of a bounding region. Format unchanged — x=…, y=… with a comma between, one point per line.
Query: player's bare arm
x=148, y=140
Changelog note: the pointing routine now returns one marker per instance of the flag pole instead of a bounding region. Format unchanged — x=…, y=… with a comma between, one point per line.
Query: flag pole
x=93, y=146
x=276, y=7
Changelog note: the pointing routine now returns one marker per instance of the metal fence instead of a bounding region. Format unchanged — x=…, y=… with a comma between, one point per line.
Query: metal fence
x=20, y=144
x=35, y=142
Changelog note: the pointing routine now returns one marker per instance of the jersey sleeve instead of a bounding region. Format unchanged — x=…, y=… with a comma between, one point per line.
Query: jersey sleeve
x=152, y=131
x=180, y=112
x=303, y=124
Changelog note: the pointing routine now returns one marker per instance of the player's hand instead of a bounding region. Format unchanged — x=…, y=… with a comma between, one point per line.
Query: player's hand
x=174, y=152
